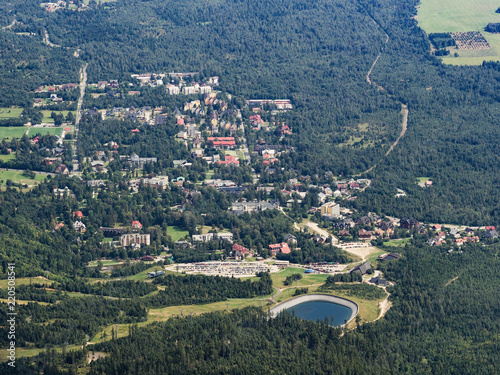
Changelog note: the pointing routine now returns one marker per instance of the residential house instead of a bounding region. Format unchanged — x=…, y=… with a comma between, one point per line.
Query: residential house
x=136, y=225
x=240, y=252
x=279, y=248
x=362, y=269
x=79, y=227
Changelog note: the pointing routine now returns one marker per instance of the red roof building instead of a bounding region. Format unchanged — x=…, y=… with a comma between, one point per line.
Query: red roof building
x=78, y=214
x=136, y=224
x=135, y=130
x=279, y=248
x=490, y=228
x=228, y=160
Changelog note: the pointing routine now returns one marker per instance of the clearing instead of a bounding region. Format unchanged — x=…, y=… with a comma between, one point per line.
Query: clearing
x=176, y=233
x=435, y=16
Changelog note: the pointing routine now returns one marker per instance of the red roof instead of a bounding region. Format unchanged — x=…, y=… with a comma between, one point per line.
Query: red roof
x=490, y=228
x=180, y=121
x=135, y=130
x=78, y=214
x=224, y=143
x=136, y=224
x=220, y=139
x=281, y=247
x=240, y=248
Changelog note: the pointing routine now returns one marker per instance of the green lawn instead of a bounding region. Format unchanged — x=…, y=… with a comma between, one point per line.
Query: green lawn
x=47, y=113
x=7, y=157
x=12, y=132
x=104, y=263
x=13, y=112
x=44, y=131
x=398, y=243
x=176, y=233
x=19, y=177
x=422, y=179
x=436, y=16
x=307, y=279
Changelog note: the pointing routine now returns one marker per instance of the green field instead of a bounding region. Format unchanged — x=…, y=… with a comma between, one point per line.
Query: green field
x=176, y=233
x=44, y=131
x=5, y=158
x=12, y=132
x=50, y=120
x=398, y=243
x=19, y=177
x=436, y=16
x=6, y=113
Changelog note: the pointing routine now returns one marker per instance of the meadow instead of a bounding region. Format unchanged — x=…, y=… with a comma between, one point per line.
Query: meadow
x=435, y=16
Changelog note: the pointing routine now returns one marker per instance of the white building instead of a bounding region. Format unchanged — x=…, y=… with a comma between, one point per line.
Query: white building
x=210, y=237
x=135, y=238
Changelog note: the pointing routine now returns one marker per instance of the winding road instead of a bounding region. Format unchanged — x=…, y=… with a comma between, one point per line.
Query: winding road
x=404, y=107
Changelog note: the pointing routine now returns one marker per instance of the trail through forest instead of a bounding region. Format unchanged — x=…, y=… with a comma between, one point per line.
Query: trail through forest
x=404, y=110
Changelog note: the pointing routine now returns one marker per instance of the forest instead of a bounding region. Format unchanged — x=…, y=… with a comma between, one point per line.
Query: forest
x=445, y=301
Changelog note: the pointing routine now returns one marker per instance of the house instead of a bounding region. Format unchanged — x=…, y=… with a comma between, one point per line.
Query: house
x=330, y=210
x=240, y=252
x=136, y=225
x=379, y=281
x=240, y=207
x=136, y=161
x=62, y=169
x=365, y=234
x=407, y=223
x=279, y=248
x=77, y=214
x=79, y=227
x=344, y=233
x=229, y=160
x=59, y=226
x=491, y=234
x=362, y=268
x=290, y=239
x=135, y=238
x=436, y=227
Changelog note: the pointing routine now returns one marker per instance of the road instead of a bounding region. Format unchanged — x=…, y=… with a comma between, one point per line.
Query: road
x=83, y=85
x=46, y=39
x=404, y=107
x=9, y=26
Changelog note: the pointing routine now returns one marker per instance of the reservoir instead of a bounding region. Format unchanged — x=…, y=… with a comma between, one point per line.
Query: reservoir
x=319, y=307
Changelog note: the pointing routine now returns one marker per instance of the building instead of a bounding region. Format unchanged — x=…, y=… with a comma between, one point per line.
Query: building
x=330, y=210
x=189, y=90
x=207, y=237
x=240, y=252
x=136, y=225
x=364, y=235
x=79, y=227
x=136, y=161
x=389, y=256
x=159, y=182
x=408, y=223
x=241, y=207
x=362, y=268
x=205, y=89
x=279, y=248
x=229, y=160
x=173, y=90
x=137, y=238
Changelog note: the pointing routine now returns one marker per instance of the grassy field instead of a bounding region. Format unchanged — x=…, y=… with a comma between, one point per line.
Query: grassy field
x=47, y=113
x=307, y=279
x=398, y=243
x=19, y=177
x=6, y=113
x=7, y=157
x=436, y=16
x=44, y=131
x=26, y=281
x=104, y=263
x=12, y=132
x=176, y=233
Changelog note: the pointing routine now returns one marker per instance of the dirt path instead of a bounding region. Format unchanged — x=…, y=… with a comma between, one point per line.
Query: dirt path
x=9, y=26
x=46, y=39
x=384, y=306
x=452, y=280
x=404, y=107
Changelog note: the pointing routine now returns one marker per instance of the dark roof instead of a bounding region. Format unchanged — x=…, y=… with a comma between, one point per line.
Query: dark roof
x=390, y=256
x=362, y=268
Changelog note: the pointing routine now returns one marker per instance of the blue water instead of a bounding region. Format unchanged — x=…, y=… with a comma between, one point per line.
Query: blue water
x=320, y=310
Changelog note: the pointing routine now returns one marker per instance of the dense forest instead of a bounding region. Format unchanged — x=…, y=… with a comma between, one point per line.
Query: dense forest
x=444, y=317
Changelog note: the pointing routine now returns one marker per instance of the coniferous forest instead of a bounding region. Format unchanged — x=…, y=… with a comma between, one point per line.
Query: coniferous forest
x=444, y=315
